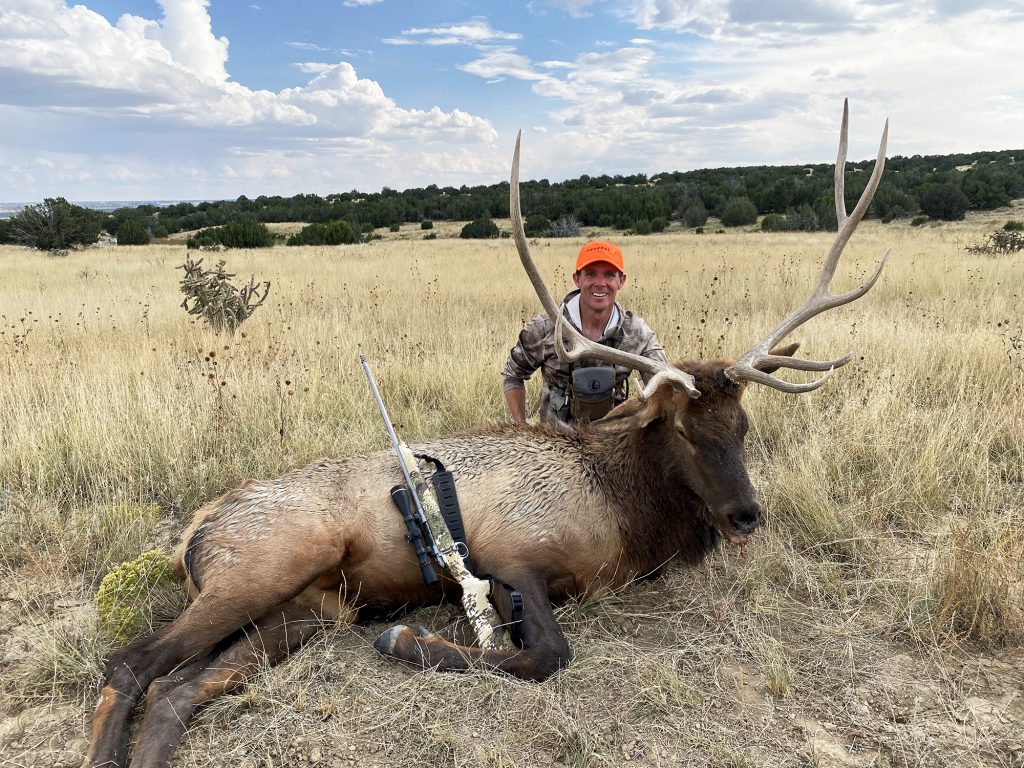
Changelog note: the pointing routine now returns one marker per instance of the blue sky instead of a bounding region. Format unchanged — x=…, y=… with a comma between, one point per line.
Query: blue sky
x=187, y=99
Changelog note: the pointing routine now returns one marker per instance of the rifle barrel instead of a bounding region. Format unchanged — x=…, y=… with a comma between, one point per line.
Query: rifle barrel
x=398, y=449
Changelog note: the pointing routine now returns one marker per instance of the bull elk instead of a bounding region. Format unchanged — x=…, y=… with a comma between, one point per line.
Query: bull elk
x=555, y=515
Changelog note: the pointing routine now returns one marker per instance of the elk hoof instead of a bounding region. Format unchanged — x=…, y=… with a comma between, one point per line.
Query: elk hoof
x=387, y=640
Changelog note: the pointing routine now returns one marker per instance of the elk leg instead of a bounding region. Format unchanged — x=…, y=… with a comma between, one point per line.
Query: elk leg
x=545, y=649
x=266, y=643
x=209, y=619
x=132, y=669
x=176, y=677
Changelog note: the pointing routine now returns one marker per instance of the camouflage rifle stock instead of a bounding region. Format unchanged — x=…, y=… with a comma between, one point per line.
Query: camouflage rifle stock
x=475, y=592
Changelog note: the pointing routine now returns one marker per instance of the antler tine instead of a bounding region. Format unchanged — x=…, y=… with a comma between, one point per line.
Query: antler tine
x=820, y=300
x=519, y=234
x=581, y=346
x=840, y=173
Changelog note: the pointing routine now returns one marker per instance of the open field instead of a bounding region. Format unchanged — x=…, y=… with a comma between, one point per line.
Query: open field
x=877, y=619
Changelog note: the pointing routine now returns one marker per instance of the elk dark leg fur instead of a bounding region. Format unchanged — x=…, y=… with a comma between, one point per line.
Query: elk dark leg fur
x=266, y=643
x=208, y=620
x=132, y=669
x=545, y=649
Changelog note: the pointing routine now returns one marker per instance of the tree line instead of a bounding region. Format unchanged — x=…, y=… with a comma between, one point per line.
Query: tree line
x=941, y=187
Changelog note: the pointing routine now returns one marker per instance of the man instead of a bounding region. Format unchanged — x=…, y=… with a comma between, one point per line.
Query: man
x=588, y=391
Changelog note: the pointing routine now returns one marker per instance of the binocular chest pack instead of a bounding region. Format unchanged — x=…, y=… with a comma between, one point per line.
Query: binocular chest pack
x=593, y=391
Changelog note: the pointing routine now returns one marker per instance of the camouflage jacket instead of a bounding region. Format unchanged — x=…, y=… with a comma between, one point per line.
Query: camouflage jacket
x=536, y=349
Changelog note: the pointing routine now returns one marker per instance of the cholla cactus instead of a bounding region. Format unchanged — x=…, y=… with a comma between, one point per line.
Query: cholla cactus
x=133, y=592
x=210, y=294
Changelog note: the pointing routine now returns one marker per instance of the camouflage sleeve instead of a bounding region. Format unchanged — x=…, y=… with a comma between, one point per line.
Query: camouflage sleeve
x=528, y=353
x=651, y=347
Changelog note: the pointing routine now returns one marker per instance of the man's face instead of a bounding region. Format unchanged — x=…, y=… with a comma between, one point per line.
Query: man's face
x=599, y=284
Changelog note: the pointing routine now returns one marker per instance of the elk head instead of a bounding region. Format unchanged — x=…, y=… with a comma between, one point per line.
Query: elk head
x=696, y=405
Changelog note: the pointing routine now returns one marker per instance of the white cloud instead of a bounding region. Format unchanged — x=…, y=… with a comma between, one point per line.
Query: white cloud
x=575, y=8
x=172, y=70
x=186, y=33
x=503, y=63
x=312, y=67
x=150, y=103
x=701, y=16
x=766, y=86
x=160, y=92
x=476, y=33
x=303, y=46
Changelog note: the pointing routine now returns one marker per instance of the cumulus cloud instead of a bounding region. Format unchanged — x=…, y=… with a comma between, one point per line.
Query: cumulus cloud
x=131, y=87
x=700, y=83
x=171, y=69
x=343, y=103
x=749, y=94
x=175, y=70
x=187, y=34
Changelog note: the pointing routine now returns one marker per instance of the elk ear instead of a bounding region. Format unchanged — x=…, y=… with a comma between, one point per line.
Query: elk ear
x=634, y=414
x=786, y=350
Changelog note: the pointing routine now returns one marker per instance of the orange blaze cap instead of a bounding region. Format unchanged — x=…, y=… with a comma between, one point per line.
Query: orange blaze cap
x=598, y=250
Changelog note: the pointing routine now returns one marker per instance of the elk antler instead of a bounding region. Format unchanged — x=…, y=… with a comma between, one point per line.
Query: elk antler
x=581, y=346
x=747, y=368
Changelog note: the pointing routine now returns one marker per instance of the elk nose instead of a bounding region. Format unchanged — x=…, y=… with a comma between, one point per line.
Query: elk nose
x=746, y=519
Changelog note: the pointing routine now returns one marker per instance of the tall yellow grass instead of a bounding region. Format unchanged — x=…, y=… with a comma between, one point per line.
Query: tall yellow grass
x=894, y=496
x=906, y=469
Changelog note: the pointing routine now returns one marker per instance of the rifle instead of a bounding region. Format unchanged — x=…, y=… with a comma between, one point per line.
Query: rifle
x=433, y=536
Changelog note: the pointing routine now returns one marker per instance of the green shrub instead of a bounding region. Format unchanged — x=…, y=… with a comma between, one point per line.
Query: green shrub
x=824, y=208
x=944, y=201
x=566, y=226
x=480, y=229
x=642, y=227
x=803, y=219
x=240, y=232
x=336, y=232
x=738, y=212
x=132, y=232
x=426, y=224
x=537, y=224
x=917, y=221
x=55, y=225
x=695, y=214
x=394, y=228
x=774, y=222
x=658, y=224
x=1014, y=226
x=1000, y=241
x=430, y=236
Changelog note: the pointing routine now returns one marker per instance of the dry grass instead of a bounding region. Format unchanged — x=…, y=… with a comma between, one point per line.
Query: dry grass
x=877, y=619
